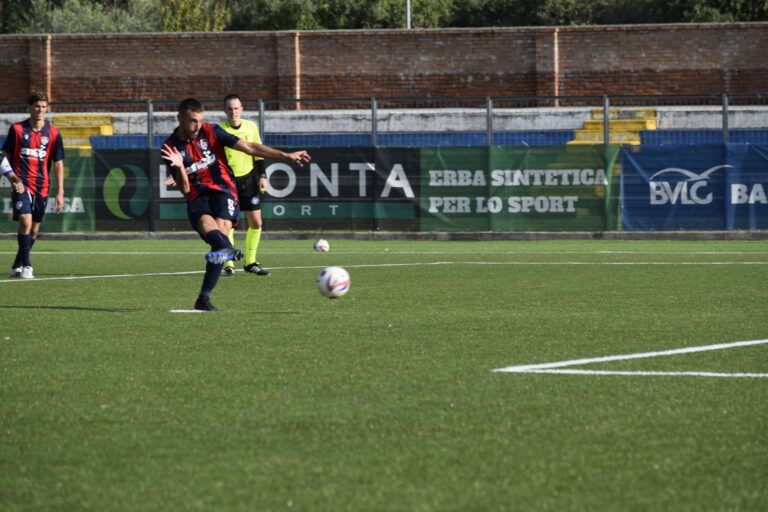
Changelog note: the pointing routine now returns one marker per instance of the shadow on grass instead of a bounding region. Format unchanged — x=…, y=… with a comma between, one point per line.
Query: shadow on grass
x=73, y=308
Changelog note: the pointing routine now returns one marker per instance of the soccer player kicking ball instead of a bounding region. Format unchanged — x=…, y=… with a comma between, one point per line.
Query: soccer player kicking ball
x=195, y=150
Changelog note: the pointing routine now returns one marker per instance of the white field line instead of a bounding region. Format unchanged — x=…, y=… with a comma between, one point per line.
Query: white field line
x=387, y=251
x=111, y=253
x=550, y=367
x=614, y=262
x=653, y=374
x=105, y=276
x=381, y=265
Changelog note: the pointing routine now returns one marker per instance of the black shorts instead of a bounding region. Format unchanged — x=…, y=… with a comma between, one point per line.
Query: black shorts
x=248, y=193
x=28, y=203
x=219, y=205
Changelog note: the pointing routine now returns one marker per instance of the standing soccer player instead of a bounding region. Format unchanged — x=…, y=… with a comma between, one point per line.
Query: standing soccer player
x=196, y=151
x=251, y=180
x=32, y=148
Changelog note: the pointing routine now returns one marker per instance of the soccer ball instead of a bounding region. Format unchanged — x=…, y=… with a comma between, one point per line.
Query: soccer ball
x=322, y=246
x=333, y=282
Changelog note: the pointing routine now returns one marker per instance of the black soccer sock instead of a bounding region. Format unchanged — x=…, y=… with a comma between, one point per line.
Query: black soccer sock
x=22, y=257
x=217, y=240
x=18, y=260
x=212, y=273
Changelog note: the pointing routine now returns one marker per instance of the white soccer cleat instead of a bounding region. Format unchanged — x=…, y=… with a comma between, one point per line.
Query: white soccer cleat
x=15, y=272
x=26, y=273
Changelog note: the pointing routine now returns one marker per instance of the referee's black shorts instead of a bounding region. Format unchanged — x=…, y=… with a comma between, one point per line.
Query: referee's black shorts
x=248, y=193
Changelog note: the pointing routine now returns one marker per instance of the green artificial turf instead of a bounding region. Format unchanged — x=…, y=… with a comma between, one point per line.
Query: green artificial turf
x=386, y=398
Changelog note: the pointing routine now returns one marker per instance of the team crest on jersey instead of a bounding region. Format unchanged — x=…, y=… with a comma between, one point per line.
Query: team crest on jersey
x=44, y=141
x=204, y=145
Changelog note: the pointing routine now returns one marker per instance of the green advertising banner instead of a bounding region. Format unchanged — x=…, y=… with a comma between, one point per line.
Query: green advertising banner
x=78, y=214
x=123, y=188
x=513, y=188
x=502, y=188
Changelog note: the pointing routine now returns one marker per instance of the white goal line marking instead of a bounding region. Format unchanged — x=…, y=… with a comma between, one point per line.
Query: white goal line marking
x=551, y=367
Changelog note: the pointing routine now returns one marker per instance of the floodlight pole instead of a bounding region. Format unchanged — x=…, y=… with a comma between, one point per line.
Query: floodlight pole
x=408, y=14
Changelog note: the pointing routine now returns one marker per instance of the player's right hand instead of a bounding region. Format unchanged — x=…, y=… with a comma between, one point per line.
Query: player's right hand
x=173, y=155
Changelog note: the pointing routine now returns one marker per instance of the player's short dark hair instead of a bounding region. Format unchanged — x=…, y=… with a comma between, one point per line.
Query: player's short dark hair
x=232, y=97
x=190, y=105
x=37, y=96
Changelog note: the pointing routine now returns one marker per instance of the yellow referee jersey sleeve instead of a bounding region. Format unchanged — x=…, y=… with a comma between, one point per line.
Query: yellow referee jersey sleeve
x=242, y=163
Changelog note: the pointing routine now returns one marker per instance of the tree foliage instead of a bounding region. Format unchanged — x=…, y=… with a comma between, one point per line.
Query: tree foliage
x=194, y=16
x=79, y=16
x=495, y=13
x=104, y=16
x=337, y=14
x=604, y=12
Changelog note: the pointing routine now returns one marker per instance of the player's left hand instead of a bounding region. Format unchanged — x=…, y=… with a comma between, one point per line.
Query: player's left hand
x=59, y=203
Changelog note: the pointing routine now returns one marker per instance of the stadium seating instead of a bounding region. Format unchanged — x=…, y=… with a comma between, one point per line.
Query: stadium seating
x=624, y=127
x=77, y=129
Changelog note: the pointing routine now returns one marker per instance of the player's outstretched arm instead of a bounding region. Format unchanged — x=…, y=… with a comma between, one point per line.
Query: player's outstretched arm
x=254, y=149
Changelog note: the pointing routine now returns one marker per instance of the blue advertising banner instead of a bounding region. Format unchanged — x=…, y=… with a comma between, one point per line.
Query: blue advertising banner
x=694, y=187
x=747, y=188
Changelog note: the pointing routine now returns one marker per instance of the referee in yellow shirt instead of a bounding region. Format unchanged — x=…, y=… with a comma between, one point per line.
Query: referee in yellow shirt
x=251, y=179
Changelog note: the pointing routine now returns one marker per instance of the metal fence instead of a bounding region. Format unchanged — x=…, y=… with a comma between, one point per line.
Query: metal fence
x=125, y=188
x=459, y=121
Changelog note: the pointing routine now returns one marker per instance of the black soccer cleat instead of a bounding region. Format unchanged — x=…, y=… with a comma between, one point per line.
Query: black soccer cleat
x=255, y=268
x=224, y=255
x=229, y=271
x=204, y=304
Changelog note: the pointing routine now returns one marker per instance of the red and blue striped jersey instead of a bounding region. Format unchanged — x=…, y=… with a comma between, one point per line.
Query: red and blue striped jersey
x=32, y=154
x=205, y=161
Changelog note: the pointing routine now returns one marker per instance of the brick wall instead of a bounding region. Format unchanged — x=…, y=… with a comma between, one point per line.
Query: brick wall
x=649, y=59
x=664, y=59
x=14, y=68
